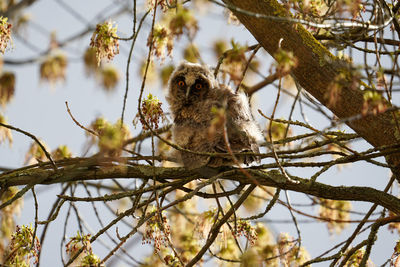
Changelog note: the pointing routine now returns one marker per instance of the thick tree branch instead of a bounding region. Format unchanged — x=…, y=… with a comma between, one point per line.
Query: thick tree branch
x=268, y=80
x=317, y=68
x=90, y=170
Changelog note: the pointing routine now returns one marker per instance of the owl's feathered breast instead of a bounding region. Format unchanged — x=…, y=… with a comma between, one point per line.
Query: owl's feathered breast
x=193, y=93
x=199, y=112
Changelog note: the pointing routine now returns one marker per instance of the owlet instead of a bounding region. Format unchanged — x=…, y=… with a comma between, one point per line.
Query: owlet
x=195, y=100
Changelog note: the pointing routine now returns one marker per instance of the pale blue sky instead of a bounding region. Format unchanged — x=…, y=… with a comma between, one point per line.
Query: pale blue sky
x=40, y=109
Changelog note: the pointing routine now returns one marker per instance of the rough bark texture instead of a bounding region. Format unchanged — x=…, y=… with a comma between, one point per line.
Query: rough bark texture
x=88, y=170
x=316, y=70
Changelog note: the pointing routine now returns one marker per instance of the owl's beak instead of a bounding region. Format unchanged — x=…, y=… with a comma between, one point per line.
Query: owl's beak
x=187, y=92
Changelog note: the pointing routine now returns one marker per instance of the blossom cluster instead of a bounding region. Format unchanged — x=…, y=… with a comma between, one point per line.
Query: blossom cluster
x=158, y=230
x=105, y=41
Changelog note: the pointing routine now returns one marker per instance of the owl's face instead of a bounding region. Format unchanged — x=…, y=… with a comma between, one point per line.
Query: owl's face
x=190, y=83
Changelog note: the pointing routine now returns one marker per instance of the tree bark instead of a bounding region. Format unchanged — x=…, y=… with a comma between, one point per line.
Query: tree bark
x=316, y=70
x=87, y=169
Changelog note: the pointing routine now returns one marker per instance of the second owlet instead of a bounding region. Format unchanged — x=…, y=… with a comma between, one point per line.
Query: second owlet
x=193, y=94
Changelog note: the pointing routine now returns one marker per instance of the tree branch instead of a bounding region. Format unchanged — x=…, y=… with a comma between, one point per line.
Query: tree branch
x=88, y=169
x=17, y=7
x=317, y=68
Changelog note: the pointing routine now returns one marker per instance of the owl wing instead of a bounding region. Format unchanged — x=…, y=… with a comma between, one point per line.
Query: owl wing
x=243, y=132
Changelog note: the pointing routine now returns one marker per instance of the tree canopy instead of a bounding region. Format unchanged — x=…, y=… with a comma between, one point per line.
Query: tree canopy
x=322, y=77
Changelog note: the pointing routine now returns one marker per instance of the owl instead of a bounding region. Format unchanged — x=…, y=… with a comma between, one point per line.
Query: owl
x=194, y=96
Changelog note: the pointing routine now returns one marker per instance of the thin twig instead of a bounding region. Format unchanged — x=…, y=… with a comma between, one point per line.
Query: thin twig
x=77, y=123
x=35, y=139
x=36, y=218
x=135, y=34
x=247, y=66
x=215, y=229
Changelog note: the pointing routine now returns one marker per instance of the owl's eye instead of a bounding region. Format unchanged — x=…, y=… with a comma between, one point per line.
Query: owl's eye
x=198, y=86
x=181, y=83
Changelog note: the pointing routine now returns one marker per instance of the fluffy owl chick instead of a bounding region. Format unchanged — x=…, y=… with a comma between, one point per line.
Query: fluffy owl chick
x=193, y=93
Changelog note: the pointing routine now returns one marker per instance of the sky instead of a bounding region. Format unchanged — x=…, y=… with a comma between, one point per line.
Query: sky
x=39, y=108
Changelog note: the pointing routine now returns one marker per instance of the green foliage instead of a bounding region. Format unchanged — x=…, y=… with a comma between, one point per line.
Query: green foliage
x=191, y=53
x=24, y=248
x=290, y=253
x=178, y=234
x=336, y=212
x=5, y=133
x=246, y=229
x=157, y=230
x=61, y=152
x=278, y=131
x=152, y=113
x=110, y=137
x=285, y=61
x=35, y=153
x=8, y=216
x=356, y=258
x=86, y=258
x=219, y=47
x=109, y=76
x=374, y=103
x=5, y=34
x=165, y=73
x=53, y=68
x=90, y=60
x=182, y=21
x=7, y=87
x=105, y=41
x=162, y=41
